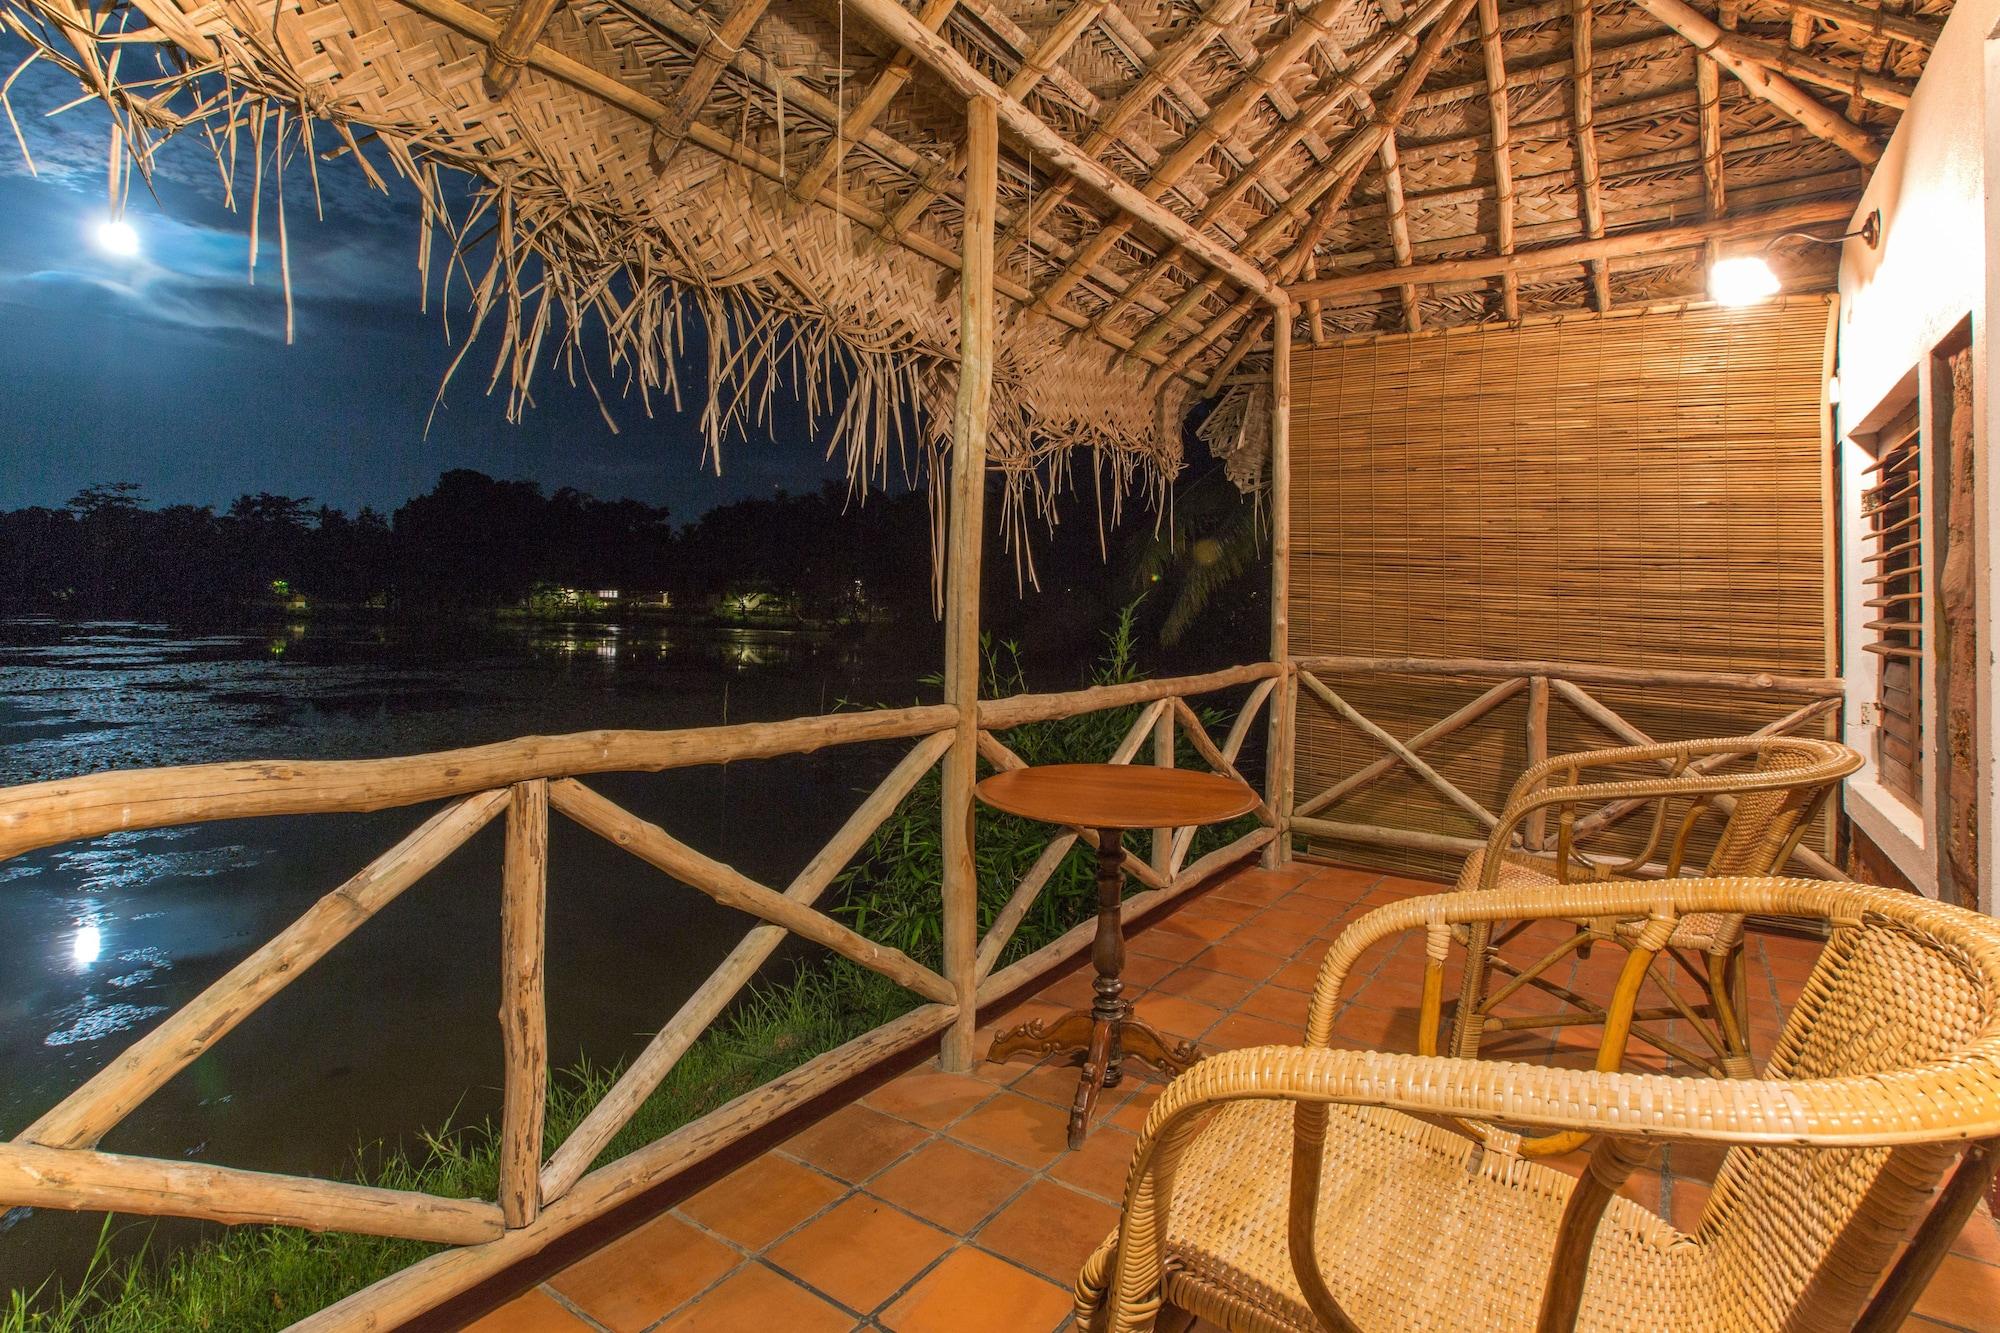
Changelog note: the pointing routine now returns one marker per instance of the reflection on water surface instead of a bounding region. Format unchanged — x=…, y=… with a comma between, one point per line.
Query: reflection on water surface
x=394, y=1030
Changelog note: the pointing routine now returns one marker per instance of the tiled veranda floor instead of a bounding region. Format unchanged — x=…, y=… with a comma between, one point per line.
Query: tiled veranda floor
x=945, y=1203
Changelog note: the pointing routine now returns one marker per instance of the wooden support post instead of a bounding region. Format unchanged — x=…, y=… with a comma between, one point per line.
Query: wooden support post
x=1284, y=704
x=961, y=643
x=1163, y=757
x=1536, y=830
x=524, y=1031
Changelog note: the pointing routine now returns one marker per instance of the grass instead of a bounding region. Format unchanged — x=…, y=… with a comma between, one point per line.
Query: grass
x=250, y=1279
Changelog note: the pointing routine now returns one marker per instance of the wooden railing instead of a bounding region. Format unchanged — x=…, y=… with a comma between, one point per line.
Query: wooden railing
x=1544, y=683
x=55, y=1161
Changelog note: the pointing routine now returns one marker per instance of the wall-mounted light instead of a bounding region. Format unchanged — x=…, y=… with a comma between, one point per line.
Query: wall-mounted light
x=1747, y=279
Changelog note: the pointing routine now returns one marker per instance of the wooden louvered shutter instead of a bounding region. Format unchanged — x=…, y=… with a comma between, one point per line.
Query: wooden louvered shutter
x=1892, y=508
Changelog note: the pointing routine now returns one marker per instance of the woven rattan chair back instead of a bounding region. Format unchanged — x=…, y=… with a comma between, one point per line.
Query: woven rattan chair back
x=1768, y=788
x=1805, y=1232
x=1301, y=1188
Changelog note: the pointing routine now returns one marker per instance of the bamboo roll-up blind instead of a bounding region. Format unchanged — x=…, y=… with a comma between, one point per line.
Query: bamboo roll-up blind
x=1640, y=491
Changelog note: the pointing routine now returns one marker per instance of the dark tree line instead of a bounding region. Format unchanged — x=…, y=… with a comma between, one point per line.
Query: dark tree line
x=472, y=543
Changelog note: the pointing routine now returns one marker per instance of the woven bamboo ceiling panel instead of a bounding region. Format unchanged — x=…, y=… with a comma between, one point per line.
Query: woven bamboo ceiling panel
x=790, y=173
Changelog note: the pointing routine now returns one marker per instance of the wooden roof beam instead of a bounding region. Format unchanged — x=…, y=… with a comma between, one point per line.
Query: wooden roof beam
x=1399, y=227
x=959, y=73
x=1498, y=113
x=1589, y=174
x=1680, y=236
x=478, y=27
x=1054, y=45
x=526, y=23
x=1275, y=146
x=1774, y=88
x=1342, y=174
x=1864, y=84
x=1311, y=28
x=1163, y=71
x=869, y=109
x=715, y=53
x=1708, y=104
x=1207, y=136
x=1902, y=27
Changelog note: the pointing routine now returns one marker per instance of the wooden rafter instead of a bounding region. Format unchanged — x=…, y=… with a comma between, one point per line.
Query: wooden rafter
x=470, y=23
x=1073, y=24
x=1399, y=225
x=1862, y=84
x=1874, y=51
x=1708, y=98
x=902, y=26
x=1339, y=177
x=1902, y=27
x=1359, y=148
x=1774, y=88
x=1641, y=241
x=870, y=108
x=1163, y=71
x=525, y=24
x=1260, y=82
x=1589, y=174
x=1499, y=115
x=710, y=59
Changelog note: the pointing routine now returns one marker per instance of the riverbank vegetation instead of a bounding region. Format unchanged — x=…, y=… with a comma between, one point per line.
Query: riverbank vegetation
x=262, y=1278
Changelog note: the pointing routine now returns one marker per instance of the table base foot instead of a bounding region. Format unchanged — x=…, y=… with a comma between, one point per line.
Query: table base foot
x=1102, y=1045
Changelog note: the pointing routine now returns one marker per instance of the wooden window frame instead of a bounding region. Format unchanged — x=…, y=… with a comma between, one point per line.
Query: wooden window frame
x=1896, y=597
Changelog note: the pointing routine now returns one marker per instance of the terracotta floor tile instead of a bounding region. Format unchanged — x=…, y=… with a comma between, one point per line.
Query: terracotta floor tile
x=1300, y=974
x=1200, y=928
x=949, y=1184
x=1018, y=1128
x=531, y=1312
x=635, y=1279
x=861, y=1252
x=762, y=1200
x=1176, y=1015
x=1209, y=987
x=1276, y=940
x=757, y=1297
x=971, y=1292
x=1964, y=1292
x=1259, y=888
x=1300, y=923
x=854, y=1142
x=1253, y=964
x=1051, y=1229
x=1101, y=1164
x=929, y=1096
x=1239, y=1030
x=1156, y=943
x=1071, y=992
x=1980, y=1239
x=1053, y=1080
x=1280, y=1006
x=1144, y=970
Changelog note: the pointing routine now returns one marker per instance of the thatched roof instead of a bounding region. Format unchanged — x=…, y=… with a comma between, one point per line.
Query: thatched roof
x=789, y=170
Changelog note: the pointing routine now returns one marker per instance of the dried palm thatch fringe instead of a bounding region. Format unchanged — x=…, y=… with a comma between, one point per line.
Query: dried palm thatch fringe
x=799, y=301
x=1238, y=432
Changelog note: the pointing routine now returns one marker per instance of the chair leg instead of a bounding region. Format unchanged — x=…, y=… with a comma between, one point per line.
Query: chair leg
x=1470, y=1018
x=1618, y=1016
x=1725, y=996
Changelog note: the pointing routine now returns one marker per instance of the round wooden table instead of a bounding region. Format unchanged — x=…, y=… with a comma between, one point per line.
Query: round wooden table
x=1109, y=799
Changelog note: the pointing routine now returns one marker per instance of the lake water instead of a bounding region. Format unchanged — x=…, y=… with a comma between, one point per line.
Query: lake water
x=395, y=1030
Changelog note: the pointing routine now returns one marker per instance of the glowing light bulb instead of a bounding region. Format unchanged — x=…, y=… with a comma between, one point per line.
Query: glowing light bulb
x=1744, y=280
x=86, y=945
x=117, y=237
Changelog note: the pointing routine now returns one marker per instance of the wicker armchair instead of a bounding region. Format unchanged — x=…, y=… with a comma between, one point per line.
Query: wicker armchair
x=1767, y=807
x=1306, y=1188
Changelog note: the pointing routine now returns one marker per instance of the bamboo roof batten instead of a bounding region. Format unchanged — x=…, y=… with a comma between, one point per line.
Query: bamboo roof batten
x=790, y=171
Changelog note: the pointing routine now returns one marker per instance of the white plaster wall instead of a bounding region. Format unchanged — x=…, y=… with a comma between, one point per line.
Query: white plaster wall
x=1939, y=262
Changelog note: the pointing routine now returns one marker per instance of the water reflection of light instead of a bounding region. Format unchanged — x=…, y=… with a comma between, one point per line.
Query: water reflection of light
x=85, y=945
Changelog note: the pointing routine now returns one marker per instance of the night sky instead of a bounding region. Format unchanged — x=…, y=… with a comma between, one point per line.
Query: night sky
x=171, y=369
